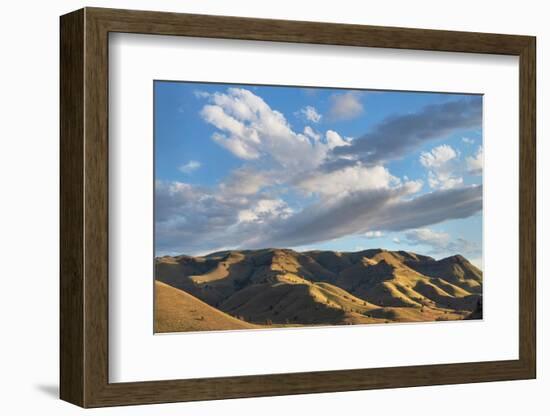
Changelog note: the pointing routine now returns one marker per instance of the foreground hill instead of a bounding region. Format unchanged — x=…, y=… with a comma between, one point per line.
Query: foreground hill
x=177, y=311
x=284, y=287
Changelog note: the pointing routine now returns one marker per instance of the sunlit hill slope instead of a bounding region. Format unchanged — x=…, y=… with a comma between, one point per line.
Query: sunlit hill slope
x=280, y=287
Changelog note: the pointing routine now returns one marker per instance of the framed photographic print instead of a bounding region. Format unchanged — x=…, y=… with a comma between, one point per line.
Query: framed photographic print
x=260, y=207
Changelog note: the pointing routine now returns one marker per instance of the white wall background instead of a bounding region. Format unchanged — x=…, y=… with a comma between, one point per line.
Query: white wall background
x=29, y=207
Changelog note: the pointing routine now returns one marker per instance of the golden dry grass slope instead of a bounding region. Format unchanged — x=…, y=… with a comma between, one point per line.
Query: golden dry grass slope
x=178, y=311
x=282, y=287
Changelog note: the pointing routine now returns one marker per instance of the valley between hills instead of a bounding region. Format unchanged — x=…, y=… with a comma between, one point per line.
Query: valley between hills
x=271, y=288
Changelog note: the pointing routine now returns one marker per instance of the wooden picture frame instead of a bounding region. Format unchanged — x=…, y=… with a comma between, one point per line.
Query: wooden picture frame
x=84, y=207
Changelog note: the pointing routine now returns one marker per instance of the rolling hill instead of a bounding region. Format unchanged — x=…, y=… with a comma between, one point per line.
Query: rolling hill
x=281, y=287
x=177, y=311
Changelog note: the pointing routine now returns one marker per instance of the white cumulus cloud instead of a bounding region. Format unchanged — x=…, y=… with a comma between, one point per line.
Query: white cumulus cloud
x=309, y=132
x=475, y=163
x=265, y=210
x=441, y=165
x=349, y=179
x=335, y=140
x=345, y=106
x=311, y=114
x=190, y=166
x=251, y=129
x=374, y=234
x=438, y=156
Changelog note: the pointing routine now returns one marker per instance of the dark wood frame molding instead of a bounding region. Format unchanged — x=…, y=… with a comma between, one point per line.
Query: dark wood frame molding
x=84, y=208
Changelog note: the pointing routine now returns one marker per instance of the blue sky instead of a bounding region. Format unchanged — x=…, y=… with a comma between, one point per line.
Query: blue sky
x=245, y=166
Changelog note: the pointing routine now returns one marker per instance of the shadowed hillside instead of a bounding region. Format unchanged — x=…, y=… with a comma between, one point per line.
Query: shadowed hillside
x=280, y=287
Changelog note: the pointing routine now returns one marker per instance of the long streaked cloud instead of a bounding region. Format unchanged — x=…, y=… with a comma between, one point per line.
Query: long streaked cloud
x=192, y=219
x=401, y=134
x=427, y=236
x=385, y=210
x=441, y=242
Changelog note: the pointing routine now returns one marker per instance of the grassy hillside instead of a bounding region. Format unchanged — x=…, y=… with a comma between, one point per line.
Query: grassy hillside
x=283, y=287
x=178, y=311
